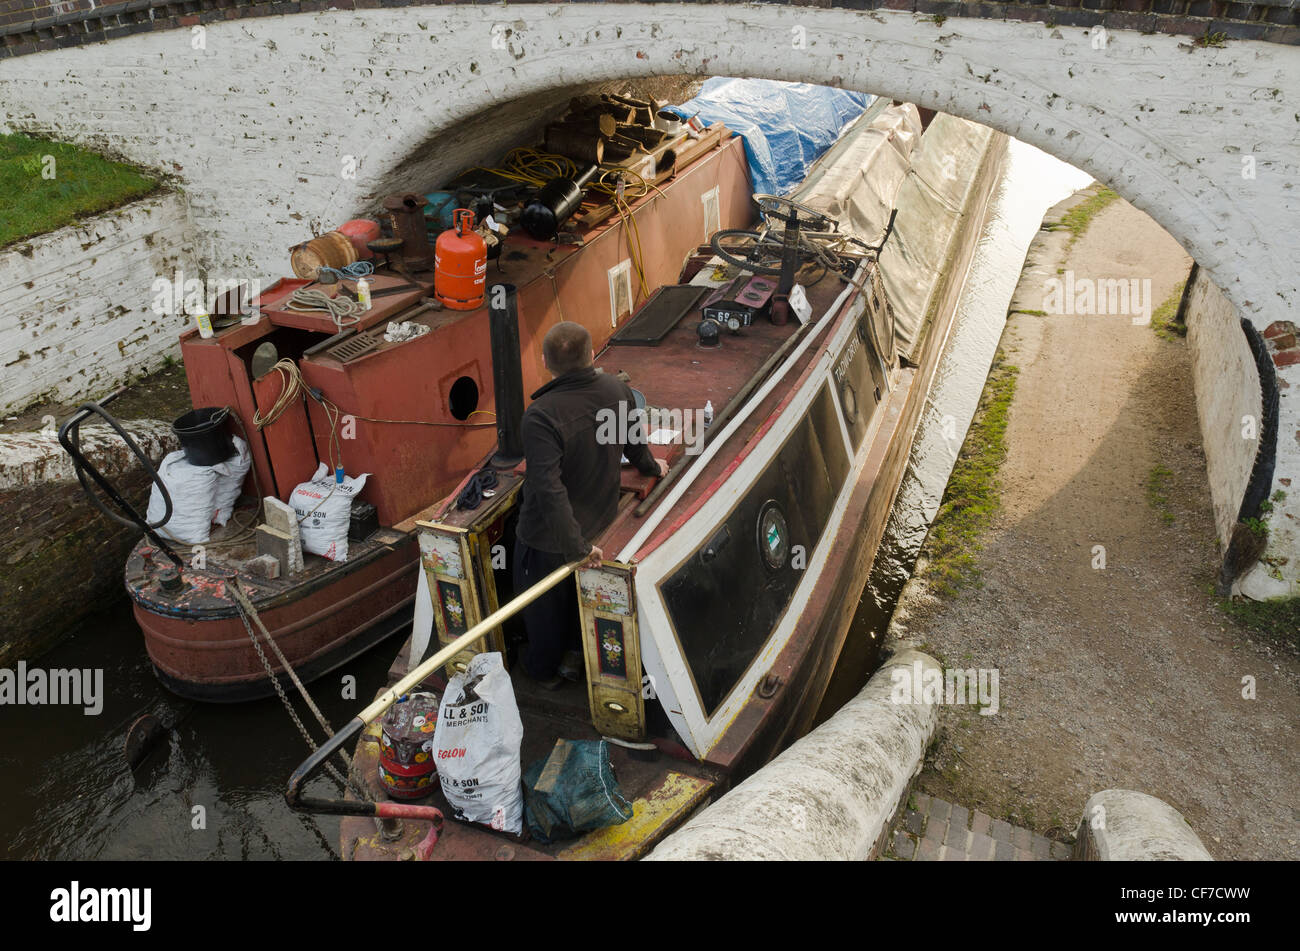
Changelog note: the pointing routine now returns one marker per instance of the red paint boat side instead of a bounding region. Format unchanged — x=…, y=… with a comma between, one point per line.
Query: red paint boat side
x=212, y=658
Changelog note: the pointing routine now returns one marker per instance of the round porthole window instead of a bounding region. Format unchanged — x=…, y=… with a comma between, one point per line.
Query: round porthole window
x=773, y=535
x=849, y=396
x=463, y=398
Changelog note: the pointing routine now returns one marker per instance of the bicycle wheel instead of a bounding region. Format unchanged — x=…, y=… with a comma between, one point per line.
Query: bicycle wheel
x=787, y=211
x=747, y=250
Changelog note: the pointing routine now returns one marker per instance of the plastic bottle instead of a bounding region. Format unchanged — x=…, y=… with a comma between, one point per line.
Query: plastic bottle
x=363, y=293
x=204, y=323
x=708, y=413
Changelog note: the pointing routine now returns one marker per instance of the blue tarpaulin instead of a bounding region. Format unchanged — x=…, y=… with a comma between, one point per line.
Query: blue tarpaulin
x=786, y=126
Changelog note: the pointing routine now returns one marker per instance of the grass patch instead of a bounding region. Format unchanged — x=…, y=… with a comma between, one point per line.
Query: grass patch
x=1276, y=620
x=1158, y=492
x=83, y=184
x=1078, y=218
x=973, y=495
x=1162, y=318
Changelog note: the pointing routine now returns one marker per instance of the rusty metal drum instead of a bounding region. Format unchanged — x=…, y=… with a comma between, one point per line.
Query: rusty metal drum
x=406, y=766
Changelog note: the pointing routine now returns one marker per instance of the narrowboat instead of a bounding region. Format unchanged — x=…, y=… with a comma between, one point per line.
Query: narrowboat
x=720, y=616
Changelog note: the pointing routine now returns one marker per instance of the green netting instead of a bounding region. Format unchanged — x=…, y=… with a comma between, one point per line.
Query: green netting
x=572, y=791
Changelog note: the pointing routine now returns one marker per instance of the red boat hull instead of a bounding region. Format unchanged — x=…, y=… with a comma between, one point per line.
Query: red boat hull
x=319, y=627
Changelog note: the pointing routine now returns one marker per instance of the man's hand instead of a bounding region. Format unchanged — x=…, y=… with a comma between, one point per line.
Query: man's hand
x=594, y=558
x=663, y=467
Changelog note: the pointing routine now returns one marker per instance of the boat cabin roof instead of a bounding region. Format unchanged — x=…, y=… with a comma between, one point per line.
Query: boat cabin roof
x=678, y=374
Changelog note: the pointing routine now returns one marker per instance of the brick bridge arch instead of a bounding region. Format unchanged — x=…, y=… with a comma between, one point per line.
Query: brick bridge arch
x=261, y=117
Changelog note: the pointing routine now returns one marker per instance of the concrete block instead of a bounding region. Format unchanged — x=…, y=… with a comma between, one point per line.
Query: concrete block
x=281, y=547
x=848, y=776
x=1041, y=847
x=960, y=817
x=982, y=847
x=263, y=566
x=1120, y=825
x=1021, y=838
x=904, y=846
x=955, y=836
x=281, y=519
x=929, y=850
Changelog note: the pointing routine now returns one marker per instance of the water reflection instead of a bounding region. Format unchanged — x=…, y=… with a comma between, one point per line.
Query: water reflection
x=67, y=792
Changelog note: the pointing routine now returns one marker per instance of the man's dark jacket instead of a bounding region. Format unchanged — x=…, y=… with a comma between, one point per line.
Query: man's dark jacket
x=570, y=492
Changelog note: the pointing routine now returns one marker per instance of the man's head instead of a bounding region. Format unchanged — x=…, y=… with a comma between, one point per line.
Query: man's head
x=566, y=347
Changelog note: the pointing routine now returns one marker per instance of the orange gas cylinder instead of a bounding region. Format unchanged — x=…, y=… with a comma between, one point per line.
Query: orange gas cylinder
x=460, y=264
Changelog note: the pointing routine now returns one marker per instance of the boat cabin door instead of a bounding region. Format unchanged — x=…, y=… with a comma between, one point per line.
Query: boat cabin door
x=459, y=555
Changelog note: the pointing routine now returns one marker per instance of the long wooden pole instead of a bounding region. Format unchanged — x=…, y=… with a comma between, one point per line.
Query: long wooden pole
x=478, y=631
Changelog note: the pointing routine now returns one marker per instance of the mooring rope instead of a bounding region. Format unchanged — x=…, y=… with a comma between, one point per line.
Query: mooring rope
x=246, y=611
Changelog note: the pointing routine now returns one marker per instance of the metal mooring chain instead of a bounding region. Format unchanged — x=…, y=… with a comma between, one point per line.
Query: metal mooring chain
x=245, y=608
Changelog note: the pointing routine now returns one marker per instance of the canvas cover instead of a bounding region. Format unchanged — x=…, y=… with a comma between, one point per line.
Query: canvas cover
x=932, y=201
x=857, y=180
x=882, y=161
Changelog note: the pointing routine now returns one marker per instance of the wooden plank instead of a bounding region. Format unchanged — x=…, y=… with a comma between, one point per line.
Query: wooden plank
x=290, y=444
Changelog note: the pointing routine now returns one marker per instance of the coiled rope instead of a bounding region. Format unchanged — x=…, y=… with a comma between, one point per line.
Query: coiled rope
x=292, y=388
x=344, y=312
x=351, y=271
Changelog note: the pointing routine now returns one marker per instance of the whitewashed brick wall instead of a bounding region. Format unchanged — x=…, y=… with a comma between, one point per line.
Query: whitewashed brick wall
x=76, y=319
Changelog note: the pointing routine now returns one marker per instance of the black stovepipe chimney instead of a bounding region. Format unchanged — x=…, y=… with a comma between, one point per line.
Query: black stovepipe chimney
x=507, y=374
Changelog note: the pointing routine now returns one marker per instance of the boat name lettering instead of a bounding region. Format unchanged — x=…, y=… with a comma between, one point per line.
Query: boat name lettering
x=846, y=359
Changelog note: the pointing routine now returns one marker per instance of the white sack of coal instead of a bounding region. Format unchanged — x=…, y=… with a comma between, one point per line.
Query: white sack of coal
x=230, y=480
x=477, y=745
x=324, y=511
x=193, y=491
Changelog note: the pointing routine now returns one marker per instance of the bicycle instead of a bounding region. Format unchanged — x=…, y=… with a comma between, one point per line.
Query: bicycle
x=809, y=235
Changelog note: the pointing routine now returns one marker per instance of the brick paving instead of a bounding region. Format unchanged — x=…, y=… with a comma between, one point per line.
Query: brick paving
x=932, y=830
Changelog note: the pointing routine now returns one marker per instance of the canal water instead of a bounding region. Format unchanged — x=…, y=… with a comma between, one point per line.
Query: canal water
x=213, y=788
